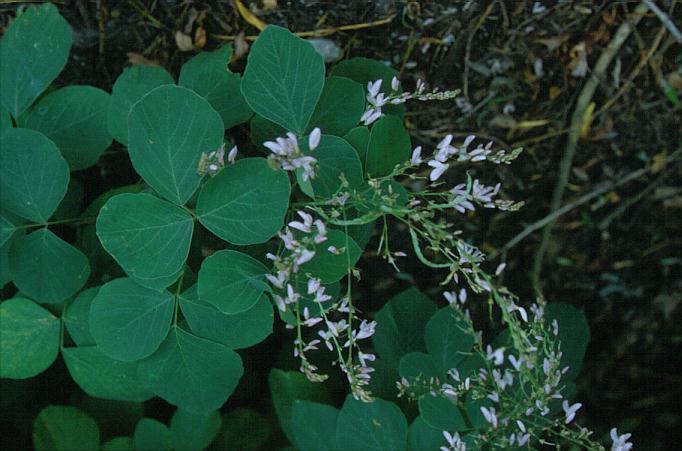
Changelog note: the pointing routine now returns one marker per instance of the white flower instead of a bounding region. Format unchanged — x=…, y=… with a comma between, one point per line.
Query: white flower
x=277, y=281
x=313, y=285
x=439, y=169
x=370, y=116
x=515, y=363
x=490, y=416
x=314, y=138
x=232, y=154
x=416, y=155
x=366, y=329
x=374, y=87
x=450, y=296
x=620, y=442
x=497, y=356
x=462, y=295
x=302, y=226
x=395, y=84
x=570, y=410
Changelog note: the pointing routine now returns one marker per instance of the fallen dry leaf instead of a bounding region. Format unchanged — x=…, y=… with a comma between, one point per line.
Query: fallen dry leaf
x=137, y=59
x=183, y=42
x=241, y=47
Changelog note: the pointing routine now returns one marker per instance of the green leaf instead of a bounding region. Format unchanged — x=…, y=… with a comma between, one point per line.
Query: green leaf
x=29, y=339
x=194, y=432
x=378, y=425
x=389, y=145
x=236, y=331
x=168, y=130
x=193, y=373
x=130, y=87
x=364, y=70
x=244, y=430
x=400, y=325
x=75, y=119
x=473, y=410
x=231, y=281
x=33, y=51
x=47, y=268
x=14, y=241
x=7, y=229
x=448, y=338
x=129, y=321
x=422, y=437
x=147, y=236
x=103, y=377
x=335, y=157
x=152, y=435
x=330, y=267
x=72, y=203
x=207, y=74
x=77, y=317
x=418, y=365
x=441, y=413
x=286, y=387
x=314, y=426
x=119, y=444
x=284, y=78
x=65, y=428
x=574, y=335
x=245, y=203
x=5, y=119
x=358, y=137
x=340, y=107
x=33, y=175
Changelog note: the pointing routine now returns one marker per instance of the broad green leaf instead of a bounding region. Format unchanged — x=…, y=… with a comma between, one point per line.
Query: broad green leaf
x=159, y=283
x=231, y=281
x=358, y=137
x=207, y=74
x=7, y=229
x=245, y=203
x=448, y=338
x=331, y=267
x=422, y=437
x=130, y=87
x=401, y=324
x=152, y=435
x=119, y=444
x=194, y=432
x=236, y=331
x=264, y=130
x=101, y=376
x=418, y=366
x=33, y=175
x=129, y=321
x=47, y=268
x=314, y=426
x=77, y=317
x=65, y=428
x=389, y=145
x=441, y=413
x=168, y=130
x=286, y=387
x=29, y=339
x=5, y=119
x=192, y=373
x=33, y=51
x=574, y=335
x=335, y=157
x=470, y=365
x=340, y=107
x=14, y=241
x=364, y=70
x=284, y=78
x=147, y=236
x=244, y=430
x=377, y=425
x=72, y=203
x=75, y=119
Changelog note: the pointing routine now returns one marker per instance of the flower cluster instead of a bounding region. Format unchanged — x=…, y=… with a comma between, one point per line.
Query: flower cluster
x=214, y=161
x=377, y=99
x=288, y=156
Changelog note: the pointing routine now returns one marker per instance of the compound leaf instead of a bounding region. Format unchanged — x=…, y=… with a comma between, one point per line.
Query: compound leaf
x=65, y=428
x=284, y=78
x=147, y=236
x=34, y=176
x=378, y=425
x=168, y=129
x=129, y=321
x=47, y=268
x=207, y=75
x=101, y=376
x=29, y=338
x=195, y=374
x=75, y=119
x=130, y=87
x=245, y=203
x=33, y=51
